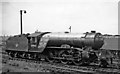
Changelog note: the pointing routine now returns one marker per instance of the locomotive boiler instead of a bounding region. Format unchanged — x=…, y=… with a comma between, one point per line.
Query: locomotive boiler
x=77, y=48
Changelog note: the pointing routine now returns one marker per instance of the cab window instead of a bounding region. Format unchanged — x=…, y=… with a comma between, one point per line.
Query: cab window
x=33, y=40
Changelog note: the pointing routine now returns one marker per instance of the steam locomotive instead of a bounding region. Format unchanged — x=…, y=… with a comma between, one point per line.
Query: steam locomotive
x=66, y=47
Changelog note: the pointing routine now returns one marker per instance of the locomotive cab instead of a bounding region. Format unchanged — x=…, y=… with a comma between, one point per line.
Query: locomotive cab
x=33, y=41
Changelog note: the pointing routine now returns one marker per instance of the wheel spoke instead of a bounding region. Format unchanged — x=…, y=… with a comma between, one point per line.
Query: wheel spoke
x=63, y=55
x=77, y=58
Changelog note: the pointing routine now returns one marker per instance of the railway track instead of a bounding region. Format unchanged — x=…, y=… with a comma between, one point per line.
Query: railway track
x=50, y=66
x=58, y=67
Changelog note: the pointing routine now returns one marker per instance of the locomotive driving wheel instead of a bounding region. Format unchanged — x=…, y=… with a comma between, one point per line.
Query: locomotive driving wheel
x=63, y=55
x=77, y=58
x=50, y=56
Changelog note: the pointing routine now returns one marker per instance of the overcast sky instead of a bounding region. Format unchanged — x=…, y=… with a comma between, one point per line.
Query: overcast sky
x=58, y=15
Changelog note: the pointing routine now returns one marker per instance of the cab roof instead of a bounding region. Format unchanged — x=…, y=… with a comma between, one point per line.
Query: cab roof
x=35, y=34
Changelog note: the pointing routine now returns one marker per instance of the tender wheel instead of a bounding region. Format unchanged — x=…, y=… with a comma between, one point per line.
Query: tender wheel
x=50, y=56
x=77, y=58
x=11, y=54
x=63, y=55
x=18, y=55
x=29, y=56
x=34, y=56
x=15, y=54
x=23, y=55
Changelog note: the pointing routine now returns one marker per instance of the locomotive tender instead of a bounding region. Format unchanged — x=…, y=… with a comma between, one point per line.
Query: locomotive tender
x=61, y=47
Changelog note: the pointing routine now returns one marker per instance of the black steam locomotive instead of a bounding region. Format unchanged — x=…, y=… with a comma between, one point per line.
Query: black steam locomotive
x=66, y=47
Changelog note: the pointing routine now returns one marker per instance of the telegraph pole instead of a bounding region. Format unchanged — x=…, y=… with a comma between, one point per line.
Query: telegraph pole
x=21, y=20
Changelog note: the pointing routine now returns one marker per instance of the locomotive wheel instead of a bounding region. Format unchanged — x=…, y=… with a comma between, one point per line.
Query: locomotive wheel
x=34, y=56
x=63, y=55
x=50, y=56
x=23, y=55
x=29, y=56
x=77, y=61
x=77, y=58
x=11, y=54
x=18, y=55
x=15, y=54
x=26, y=56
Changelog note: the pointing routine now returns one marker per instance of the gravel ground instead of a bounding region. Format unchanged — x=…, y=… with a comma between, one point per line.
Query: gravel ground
x=0, y=60
x=23, y=66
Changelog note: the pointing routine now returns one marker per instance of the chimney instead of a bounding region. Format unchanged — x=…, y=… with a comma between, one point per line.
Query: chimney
x=93, y=31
